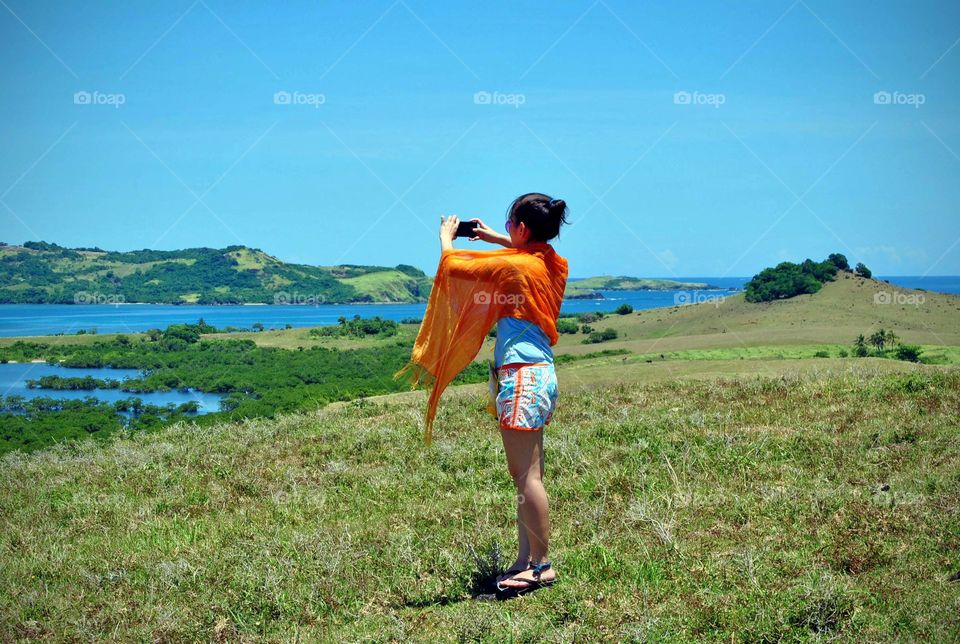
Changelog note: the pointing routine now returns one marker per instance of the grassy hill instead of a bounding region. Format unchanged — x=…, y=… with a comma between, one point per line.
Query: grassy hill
x=590, y=285
x=818, y=506
x=45, y=273
x=836, y=314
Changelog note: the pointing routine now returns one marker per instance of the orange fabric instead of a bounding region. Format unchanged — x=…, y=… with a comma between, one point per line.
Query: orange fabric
x=471, y=291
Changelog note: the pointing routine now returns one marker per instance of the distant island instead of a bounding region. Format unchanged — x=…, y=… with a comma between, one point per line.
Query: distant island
x=46, y=273
x=590, y=287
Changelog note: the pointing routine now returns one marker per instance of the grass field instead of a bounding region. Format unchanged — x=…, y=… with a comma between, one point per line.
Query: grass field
x=719, y=482
x=814, y=506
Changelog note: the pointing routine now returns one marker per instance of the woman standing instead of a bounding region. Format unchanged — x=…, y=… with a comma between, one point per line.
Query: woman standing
x=527, y=397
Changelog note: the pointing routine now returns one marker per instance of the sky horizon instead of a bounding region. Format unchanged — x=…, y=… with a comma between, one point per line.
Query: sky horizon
x=687, y=141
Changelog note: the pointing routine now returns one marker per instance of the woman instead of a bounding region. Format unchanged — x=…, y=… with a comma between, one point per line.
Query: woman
x=527, y=381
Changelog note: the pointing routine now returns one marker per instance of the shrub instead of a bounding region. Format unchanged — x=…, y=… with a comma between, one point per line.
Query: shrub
x=908, y=352
x=863, y=271
x=601, y=336
x=567, y=326
x=624, y=309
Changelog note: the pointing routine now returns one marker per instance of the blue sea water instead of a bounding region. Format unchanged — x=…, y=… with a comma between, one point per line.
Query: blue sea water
x=49, y=319
x=14, y=376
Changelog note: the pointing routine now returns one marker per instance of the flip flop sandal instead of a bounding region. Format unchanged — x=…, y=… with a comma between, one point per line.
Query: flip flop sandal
x=511, y=572
x=535, y=583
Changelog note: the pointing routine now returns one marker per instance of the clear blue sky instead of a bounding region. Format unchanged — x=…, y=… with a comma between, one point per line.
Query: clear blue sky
x=798, y=161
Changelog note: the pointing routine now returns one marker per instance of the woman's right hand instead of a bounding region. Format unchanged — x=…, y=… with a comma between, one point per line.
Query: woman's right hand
x=483, y=232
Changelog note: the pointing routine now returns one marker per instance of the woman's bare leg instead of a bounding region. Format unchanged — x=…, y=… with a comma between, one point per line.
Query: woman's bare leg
x=525, y=462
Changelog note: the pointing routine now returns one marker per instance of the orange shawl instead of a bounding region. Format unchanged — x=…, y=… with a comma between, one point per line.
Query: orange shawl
x=471, y=291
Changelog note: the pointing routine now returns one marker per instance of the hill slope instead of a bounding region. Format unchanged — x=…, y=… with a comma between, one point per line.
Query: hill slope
x=836, y=314
x=757, y=509
x=46, y=273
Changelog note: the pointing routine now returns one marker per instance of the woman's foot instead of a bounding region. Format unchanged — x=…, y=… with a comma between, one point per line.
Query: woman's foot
x=517, y=566
x=528, y=578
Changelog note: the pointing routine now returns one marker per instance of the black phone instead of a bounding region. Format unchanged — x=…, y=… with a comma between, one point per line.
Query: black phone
x=466, y=229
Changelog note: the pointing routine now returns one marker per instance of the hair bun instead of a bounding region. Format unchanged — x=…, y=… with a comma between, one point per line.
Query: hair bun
x=556, y=203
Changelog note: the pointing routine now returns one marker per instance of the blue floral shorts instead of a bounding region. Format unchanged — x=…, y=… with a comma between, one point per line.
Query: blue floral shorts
x=528, y=395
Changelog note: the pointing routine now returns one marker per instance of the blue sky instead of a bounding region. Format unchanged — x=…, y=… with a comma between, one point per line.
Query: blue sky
x=687, y=138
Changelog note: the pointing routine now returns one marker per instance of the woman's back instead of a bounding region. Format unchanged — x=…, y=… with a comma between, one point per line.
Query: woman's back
x=520, y=341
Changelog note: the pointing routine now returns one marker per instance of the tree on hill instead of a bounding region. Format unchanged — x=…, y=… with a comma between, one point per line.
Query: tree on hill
x=863, y=271
x=788, y=279
x=839, y=260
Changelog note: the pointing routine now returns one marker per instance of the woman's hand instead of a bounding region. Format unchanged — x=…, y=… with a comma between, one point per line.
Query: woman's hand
x=487, y=234
x=448, y=230
x=448, y=227
x=482, y=231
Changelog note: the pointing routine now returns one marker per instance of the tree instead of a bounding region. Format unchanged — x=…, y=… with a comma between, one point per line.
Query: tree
x=840, y=261
x=882, y=338
x=863, y=271
x=860, y=347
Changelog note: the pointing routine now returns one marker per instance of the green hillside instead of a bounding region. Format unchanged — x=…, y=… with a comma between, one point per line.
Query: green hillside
x=794, y=508
x=590, y=285
x=39, y=272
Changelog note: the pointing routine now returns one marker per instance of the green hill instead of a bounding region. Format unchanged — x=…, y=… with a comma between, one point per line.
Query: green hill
x=39, y=272
x=590, y=285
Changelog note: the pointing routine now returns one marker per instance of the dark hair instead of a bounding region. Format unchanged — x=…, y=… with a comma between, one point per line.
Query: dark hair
x=542, y=215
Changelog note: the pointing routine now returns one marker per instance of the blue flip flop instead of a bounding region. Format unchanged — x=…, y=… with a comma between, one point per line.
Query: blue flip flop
x=532, y=584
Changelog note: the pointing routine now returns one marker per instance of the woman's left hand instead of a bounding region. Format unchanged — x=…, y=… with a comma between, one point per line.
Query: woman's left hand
x=448, y=227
